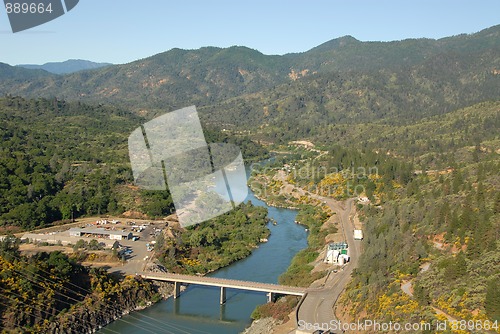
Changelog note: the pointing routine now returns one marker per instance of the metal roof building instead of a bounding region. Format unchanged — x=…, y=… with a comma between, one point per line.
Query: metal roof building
x=55, y=239
x=338, y=245
x=100, y=232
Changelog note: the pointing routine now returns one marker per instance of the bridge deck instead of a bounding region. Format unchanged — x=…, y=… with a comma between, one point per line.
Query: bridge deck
x=226, y=283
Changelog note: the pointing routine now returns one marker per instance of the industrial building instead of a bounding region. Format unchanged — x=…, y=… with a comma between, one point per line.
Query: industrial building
x=337, y=253
x=56, y=238
x=100, y=233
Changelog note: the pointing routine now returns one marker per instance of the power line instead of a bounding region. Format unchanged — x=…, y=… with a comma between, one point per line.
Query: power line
x=79, y=301
x=38, y=309
x=69, y=304
x=174, y=327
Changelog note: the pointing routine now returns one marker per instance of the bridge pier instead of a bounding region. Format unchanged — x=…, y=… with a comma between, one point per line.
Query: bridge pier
x=177, y=306
x=222, y=295
x=270, y=297
x=222, y=313
x=177, y=289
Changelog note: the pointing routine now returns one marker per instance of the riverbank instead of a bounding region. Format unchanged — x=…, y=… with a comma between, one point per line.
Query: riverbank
x=51, y=293
x=276, y=205
x=307, y=267
x=234, y=236
x=193, y=253
x=263, y=326
x=198, y=309
x=89, y=319
x=214, y=244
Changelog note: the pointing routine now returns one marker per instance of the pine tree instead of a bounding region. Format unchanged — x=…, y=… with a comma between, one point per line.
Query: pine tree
x=492, y=302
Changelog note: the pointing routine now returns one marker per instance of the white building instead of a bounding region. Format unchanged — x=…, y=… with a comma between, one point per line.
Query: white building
x=55, y=239
x=337, y=253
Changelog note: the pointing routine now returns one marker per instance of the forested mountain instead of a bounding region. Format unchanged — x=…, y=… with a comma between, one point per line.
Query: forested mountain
x=164, y=81
x=433, y=222
x=18, y=75
x=461, y=136
x=434, y=231
x=66, y=67
x=347, y=53
x=440, y=85
x=424, y=112
x=61, y=160
x=412, y=69
x=52, y=160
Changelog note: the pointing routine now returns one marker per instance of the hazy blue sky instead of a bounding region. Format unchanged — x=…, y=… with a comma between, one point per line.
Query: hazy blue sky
x=121, y=31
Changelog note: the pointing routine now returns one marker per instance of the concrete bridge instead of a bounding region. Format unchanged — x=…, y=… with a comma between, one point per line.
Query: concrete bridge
x=223, y=283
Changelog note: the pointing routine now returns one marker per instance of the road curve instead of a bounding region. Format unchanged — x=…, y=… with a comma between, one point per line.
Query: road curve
x=317, y=307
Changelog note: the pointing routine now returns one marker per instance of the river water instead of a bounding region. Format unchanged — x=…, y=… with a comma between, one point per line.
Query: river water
x=197, y=310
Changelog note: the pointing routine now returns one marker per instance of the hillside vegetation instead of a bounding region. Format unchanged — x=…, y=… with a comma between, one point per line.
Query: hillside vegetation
x=436, y=228
x=214, y=244
x=433, y=74
x=49, y=292
x=61, y=160
x=419, y=117
x=450, y=221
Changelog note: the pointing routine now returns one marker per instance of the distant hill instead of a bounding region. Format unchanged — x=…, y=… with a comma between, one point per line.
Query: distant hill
x=67, y=67
x=14, y=74
x=351, y=79
x=165, y=81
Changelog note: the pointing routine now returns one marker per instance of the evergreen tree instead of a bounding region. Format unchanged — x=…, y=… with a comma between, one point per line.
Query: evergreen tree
x=492, y=302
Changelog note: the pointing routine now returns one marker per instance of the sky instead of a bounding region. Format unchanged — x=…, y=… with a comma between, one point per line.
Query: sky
x=121, y=31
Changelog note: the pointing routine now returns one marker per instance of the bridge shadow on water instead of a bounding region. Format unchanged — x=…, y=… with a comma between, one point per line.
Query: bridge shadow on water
x=210, y=296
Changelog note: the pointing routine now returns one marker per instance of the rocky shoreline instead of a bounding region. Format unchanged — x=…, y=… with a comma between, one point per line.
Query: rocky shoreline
x=90, y=319
x=262, y=326
x=269, y=203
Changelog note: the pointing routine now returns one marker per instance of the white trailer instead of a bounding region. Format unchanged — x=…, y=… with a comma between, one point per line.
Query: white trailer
x=358, y=235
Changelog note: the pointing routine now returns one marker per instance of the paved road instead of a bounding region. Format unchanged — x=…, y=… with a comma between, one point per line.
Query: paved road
x=136, y=261
x=317, y=307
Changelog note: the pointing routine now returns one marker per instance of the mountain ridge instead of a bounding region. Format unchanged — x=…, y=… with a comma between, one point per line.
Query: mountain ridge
x=210, y=75
x=66, y=67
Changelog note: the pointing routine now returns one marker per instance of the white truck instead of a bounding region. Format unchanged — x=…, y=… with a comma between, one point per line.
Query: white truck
x=358, y=235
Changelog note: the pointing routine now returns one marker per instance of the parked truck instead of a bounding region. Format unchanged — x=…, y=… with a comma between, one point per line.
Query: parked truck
x=358, y=235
